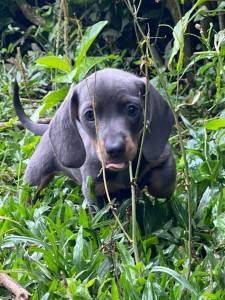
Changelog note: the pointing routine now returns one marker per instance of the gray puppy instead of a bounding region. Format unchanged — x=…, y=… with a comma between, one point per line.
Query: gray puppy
x=69, y=143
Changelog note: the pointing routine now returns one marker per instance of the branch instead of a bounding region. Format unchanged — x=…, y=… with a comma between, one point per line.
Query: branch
x=93, y=97
x=13, y=287
x=29, y=12
x=163, y=83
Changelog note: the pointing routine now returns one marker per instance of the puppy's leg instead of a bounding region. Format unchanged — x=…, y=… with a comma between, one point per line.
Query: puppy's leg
x=162, y=180
x=42, y=165
x=89, y=173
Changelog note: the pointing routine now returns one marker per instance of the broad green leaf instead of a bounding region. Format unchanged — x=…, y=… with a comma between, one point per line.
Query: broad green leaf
x=147, y=293
x=97, y=217
x=87, y=40
x=45, y=297
x=183, y=281
x=215, y=124
x=15, y=239
x=90, y=283
x=90, y=186
x=53, y=98
x=27, y=148
x=219, y=42
x=78, y=250
x=88, y=63
x=203, y=55
x=83, y=219
x=203, y=204
x=220, y=222
x=67, y=78
x=38, y=212
x=178, y=35
x=55, y=62
x=114, y=291
x=180, y=211
x=8, y=124
x=205, y=68
x=125, y=255
x=100, y=289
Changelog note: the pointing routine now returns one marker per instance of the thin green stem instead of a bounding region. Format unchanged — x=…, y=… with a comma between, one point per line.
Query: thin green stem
x=134, y=222
x=145, y=124
x=103, y=166
x=186, y=170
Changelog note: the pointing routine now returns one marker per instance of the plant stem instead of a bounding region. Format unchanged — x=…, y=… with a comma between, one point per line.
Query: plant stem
x=145, y=123
x=103, y=166
x=134, y=222
x=163, y=84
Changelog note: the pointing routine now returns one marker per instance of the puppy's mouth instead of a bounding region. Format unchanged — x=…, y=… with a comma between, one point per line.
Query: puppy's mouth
x=116, y=166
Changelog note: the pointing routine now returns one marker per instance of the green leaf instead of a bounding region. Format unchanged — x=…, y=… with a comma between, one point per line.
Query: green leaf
x=90, y=283
x=203, y=204
x=55, y=62
x=126, y=257
x=219, y=42
x=15, y=239
x=178, y=35
x=86, y=42
x=83, y=218
x=67, y=78
x=147, y=293
x=88, y=63
x=176, y=276
x=53, y=98
x=97, y=217
x=8, y=124
x=205, y=68
x=115, y=293
x=78, y=251
x=90, y=186
x=219, y=222
x=215, y=124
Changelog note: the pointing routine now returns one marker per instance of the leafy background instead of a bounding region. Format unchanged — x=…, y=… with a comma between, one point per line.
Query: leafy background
x=52, y=246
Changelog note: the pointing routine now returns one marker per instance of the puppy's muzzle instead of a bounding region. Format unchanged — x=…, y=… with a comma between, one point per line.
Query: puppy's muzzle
x=116, y=154
x=116, y=148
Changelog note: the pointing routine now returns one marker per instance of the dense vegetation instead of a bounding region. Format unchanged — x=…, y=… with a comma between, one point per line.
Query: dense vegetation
x=50, y=244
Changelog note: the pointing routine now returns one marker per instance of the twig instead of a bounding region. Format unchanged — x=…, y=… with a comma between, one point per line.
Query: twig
x=58, y=35
x=133, y=180
x=14, y=287
x=114, y=262
x=186, y=170
x=134, y=223
x=103, y=166
x=187, y=182
x=66, y=285
x=65, y=26
x=30, y=12
x=145, y=121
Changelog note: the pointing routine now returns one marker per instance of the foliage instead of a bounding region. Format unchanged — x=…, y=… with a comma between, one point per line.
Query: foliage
x=51, y=245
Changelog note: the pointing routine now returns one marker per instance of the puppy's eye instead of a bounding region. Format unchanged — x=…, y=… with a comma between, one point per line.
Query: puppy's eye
x=132, y=110
x=89, y=115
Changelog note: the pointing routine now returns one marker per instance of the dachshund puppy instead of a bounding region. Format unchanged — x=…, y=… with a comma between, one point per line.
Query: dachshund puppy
x=101, y=122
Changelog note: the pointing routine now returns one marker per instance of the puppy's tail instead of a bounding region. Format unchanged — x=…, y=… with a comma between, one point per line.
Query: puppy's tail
x=38, y=129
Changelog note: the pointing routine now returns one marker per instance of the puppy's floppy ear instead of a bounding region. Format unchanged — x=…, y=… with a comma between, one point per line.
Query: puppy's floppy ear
x=64, y=136
x=160, y=119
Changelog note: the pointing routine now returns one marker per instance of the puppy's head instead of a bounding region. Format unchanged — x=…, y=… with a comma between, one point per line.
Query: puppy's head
x=109, y=105
x=111, y=112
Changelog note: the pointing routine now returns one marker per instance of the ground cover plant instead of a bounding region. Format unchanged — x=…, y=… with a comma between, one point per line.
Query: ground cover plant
x=48, y=243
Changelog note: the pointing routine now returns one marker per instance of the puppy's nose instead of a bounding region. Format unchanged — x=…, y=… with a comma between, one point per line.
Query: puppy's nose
x=115, y=149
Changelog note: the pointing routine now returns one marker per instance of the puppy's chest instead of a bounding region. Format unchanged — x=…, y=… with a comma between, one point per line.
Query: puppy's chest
x=118, y=183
